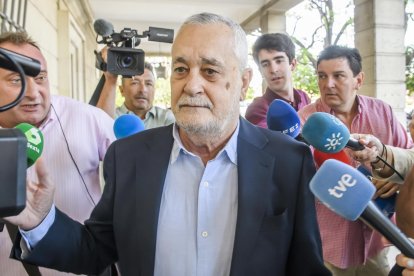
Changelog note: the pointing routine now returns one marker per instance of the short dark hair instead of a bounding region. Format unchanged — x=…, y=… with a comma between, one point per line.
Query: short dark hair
x=275, y=41
x=18, y=38
x=351, y=54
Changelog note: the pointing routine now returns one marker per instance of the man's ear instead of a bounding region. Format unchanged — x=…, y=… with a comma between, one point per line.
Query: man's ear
x=246, y=78
x=293, y=64
x=359, y=80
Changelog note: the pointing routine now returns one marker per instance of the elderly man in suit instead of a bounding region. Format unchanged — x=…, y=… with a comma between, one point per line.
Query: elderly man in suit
x=210, y=195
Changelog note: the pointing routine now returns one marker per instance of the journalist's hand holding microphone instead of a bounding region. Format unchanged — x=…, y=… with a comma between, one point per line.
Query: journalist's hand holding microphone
x=384, y=188
x=38, y=202
x=373, y=148
x=407, y=264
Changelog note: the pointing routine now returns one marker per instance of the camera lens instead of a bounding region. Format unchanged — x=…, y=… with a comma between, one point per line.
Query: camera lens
x=127, y=61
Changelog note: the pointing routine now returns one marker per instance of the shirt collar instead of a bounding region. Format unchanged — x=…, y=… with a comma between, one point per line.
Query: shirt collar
x=359, y=100
x=271, y=96
x=230, y=149
x=125, y=110
x=50, y=117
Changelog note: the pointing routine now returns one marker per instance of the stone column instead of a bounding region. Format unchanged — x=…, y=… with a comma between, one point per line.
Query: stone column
x=273, y=22
x=379, y=36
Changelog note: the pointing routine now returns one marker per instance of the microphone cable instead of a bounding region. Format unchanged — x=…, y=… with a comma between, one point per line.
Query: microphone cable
x=384, y=149
x=73, y=159
x=391, y=167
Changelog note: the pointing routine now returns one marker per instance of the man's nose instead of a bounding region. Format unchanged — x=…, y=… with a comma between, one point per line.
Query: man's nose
x=194, y=83
x=274, y=66
x=32, y=88
x=330, y=82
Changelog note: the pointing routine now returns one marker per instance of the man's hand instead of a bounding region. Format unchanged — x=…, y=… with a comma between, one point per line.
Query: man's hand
x=407, y=263
x=109, y=77
x=39, y=200
x=385, y=188
x=372, y=144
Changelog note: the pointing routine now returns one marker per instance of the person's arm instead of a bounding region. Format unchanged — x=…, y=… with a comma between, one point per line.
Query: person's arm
x=67, y=245
x=404, y=207
x=33, y=236
x=107, y=97
x=400, y=159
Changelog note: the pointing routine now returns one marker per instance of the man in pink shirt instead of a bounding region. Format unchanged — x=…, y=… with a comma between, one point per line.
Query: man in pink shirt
x=352, y=248
x=274, y=54
x=76, y=137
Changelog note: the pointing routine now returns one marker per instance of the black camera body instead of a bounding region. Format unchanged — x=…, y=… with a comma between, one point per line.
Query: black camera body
x=122, y=58
x=125, y=61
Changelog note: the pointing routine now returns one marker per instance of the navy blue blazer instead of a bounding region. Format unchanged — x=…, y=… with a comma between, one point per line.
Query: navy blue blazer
x=276, y=232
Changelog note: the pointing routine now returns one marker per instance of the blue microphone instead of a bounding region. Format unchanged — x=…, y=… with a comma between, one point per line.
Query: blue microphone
x=348, y=193
x=328, y=134
x=126, y=125
x=282, y=117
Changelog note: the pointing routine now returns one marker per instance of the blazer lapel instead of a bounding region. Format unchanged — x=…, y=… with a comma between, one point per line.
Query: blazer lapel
x=255, y=168
x=151, y=170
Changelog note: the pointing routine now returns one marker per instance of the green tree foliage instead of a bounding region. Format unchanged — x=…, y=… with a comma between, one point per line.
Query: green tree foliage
x=409, y=56
x=409, y=69
x=304, y=77
x=162, y=96
x=329, y=32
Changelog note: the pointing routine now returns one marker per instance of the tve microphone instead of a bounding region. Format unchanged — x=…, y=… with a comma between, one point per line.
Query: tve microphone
x=34, y=142
x=282, y=117
x=126, y=125
x=348, y=193
x=327, y=133
x=103, y=27
x=30, y=66
x=320, y=157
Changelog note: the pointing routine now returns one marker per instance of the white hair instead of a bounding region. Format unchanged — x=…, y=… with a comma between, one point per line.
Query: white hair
x=240, y=40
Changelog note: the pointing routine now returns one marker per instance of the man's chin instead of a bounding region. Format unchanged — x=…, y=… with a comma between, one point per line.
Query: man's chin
x=33, y=119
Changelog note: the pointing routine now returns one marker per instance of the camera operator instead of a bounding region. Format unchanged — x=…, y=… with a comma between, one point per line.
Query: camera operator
x=138, y=92
x=73, y=161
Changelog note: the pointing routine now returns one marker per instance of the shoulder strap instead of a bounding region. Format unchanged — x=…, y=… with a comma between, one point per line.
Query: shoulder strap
x=31, y=270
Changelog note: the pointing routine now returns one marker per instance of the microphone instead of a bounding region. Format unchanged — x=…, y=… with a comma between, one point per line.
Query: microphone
x=103, y=27
x=348, y=193
x=126, y=125
x=327, y=133
x=320, y=157
x=30, y=66
x=282, y=117
x=20, y=147
x=34, y=142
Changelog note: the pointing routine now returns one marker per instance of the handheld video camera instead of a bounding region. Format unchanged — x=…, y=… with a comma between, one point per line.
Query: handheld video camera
x=122, y=58
x=13, y=162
